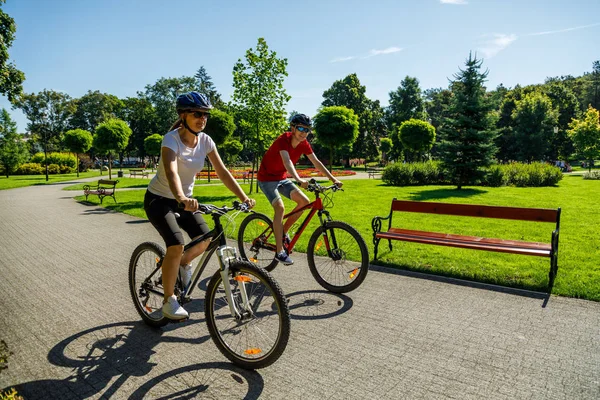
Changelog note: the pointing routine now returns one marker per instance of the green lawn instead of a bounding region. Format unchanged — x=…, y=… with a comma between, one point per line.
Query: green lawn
x=579, y=256
x=16, y=181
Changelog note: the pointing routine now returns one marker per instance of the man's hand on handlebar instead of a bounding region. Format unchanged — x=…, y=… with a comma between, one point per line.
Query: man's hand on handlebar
x=338, y=183
x=250, y=202
x=302, y=183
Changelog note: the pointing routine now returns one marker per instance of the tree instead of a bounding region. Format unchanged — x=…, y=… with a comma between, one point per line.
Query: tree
x=78, y=141
x=534, y=119
x=467, y=146
x=111, y=135
x=586, y=135
x=260, y=98
x=219, y=127
x=11, y=79
x=594, y=87
x=152, y=146
x=48, y=113
x=335, y=127
x=206, y=86
x=141, y=117
x=93, y=108
x=417, y=136
x=163, y=94
x=13, y=150
x=385, y=147
x=405, y=103
x=566, y=104
x=231, y=149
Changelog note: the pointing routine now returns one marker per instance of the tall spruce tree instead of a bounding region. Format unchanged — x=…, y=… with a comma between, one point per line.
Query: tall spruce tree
x=468, y=132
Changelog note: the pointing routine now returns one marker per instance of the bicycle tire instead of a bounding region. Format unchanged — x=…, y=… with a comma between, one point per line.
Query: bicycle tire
x=250, y=244
x=147, y=303
x=338, y=275
x=244, y=340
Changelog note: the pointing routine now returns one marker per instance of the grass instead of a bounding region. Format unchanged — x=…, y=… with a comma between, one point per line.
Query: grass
x=579, y=255
x=16, y=181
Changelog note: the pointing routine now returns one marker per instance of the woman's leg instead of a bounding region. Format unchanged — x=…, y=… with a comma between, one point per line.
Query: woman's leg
x=170, y=268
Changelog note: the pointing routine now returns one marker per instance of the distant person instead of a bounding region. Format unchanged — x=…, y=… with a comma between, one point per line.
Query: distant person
x=182, y=156
x=278, y=161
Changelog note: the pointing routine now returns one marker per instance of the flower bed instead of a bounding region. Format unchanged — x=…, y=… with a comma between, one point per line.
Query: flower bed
x=304, y=173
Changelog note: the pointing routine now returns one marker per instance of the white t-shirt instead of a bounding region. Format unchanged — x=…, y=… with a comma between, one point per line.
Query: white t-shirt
x=190, y=161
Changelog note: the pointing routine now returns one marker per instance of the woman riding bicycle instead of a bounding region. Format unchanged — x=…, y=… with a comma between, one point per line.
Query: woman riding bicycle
x=279, y=160
x=183, y=151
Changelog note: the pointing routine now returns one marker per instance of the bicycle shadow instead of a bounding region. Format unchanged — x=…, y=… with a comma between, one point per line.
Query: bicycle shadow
x=317, y=304
x=104, y=358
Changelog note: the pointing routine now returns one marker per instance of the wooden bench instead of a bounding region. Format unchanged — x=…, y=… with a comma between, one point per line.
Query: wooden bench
x=372, y=172
x=138, y=171
x=549, y=249
x=103, y=188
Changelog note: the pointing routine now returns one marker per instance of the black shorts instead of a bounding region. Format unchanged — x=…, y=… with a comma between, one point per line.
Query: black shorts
x=161, y=213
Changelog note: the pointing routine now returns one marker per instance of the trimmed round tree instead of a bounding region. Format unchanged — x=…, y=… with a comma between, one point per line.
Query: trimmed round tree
x=219, y=127
x=417, y=136
x=385, y=146
x=335, y=127
x=231, y=149
x=78, y=141
x=152, y=145
x=111, y=136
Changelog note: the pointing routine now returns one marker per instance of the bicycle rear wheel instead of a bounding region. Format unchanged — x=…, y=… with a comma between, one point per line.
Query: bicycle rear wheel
x=145, y=283
x=329, y=251
x=257, y=336
x=256, y=241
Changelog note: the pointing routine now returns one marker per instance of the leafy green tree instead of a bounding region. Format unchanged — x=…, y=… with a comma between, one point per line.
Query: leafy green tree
x=385, y=146
x=335, y=127
x=48, y=113
x=586, y=135
x=417, y=136
x=259, y=98
x=163, y=94
x=406, y=102
x=152, y=146
x=534, y=121
x=78, y=141
x=111, y=136
x=593, y=95
x=219, y=127
x=206, y=86
x=13, y=150
x=141, y=117
x=565, y=102
x=11, y=79
x=93, y=108
x=467, y=146
x=231, y=149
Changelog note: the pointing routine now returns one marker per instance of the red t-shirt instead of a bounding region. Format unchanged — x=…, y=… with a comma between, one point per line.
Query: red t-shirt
x=271, y=167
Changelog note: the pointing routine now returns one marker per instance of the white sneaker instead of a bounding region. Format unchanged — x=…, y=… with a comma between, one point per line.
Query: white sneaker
x=172, y=310
x=185, y=272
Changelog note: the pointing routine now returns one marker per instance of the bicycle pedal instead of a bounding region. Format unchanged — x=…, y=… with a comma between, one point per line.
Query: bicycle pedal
x=177, y=321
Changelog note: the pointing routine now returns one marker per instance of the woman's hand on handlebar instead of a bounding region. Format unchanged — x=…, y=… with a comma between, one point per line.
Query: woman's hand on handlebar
x=189, y=204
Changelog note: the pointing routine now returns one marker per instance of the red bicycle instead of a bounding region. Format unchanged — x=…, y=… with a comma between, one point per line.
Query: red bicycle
x=337, y=254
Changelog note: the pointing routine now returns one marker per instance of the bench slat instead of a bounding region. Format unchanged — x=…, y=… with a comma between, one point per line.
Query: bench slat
x=469, y=242
x=470, y=210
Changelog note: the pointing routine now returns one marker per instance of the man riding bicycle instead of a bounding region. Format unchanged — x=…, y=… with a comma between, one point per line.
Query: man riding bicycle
x=278, y=161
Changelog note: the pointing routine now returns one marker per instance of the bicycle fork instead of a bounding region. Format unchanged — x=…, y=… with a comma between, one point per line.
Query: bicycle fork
x=328, y=239
x=226, y=254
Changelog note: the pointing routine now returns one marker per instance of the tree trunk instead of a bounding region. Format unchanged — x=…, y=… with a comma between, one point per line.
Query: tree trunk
x=252, y=173
x=46, y=156
x=77, y=163
x=330, y=156
x=109, y=166
x=208, y=165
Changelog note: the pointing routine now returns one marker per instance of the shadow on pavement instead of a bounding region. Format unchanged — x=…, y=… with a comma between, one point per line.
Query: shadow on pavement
x=317, y=304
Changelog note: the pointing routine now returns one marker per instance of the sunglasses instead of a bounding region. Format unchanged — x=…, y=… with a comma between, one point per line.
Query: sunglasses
x=200, y=114
x=303, y=129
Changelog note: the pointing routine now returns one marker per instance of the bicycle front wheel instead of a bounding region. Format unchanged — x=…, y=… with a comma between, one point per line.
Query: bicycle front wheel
x=256, y=336
x=145, y=283
x=329, y=252
x=256, y=241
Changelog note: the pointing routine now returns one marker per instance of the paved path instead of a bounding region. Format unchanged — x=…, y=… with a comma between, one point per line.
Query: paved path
x=69, y=321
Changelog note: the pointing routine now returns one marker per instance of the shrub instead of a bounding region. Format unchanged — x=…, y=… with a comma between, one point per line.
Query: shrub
x=594, y=175
x=65, y=169
x=495, y=176
x=30, y=169
x=56, y=158
x=422, y=173
x=53, y=169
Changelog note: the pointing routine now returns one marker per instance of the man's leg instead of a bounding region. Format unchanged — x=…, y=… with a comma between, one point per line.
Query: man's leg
x=279, y=208
x=301, y=200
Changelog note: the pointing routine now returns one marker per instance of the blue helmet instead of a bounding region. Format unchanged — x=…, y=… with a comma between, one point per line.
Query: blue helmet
x=193, y=101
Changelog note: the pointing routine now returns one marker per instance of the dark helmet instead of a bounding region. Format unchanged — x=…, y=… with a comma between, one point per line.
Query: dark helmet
x=193, y=101
x=301, y=119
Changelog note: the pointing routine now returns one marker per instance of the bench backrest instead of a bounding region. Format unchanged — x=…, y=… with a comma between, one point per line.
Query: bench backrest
x=472, y=210
x=107, y=182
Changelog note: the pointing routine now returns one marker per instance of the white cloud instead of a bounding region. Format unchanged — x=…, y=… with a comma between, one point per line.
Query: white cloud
x=389, y=50
x=499, y=42
x=563, y=30
x=342, y=59
x=459, y=2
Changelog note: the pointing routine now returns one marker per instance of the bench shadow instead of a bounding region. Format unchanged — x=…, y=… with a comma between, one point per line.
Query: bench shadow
x=436, y=194
x=463, y=282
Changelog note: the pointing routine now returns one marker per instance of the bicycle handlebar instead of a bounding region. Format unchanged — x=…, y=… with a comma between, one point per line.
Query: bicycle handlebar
x=313, y=186
x=210, y=208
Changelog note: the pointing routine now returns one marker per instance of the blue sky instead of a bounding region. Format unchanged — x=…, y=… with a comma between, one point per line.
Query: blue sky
x=120, y=46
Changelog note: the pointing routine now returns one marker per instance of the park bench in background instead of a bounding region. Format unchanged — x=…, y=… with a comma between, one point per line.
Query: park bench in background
x=103, y=188
x=247, y=175
x=549, y=249
x=138, y=171
x=373, y=172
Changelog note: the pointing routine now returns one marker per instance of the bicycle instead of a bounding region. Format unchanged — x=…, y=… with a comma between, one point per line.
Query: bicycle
x=328, y=248
x=246, y=311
